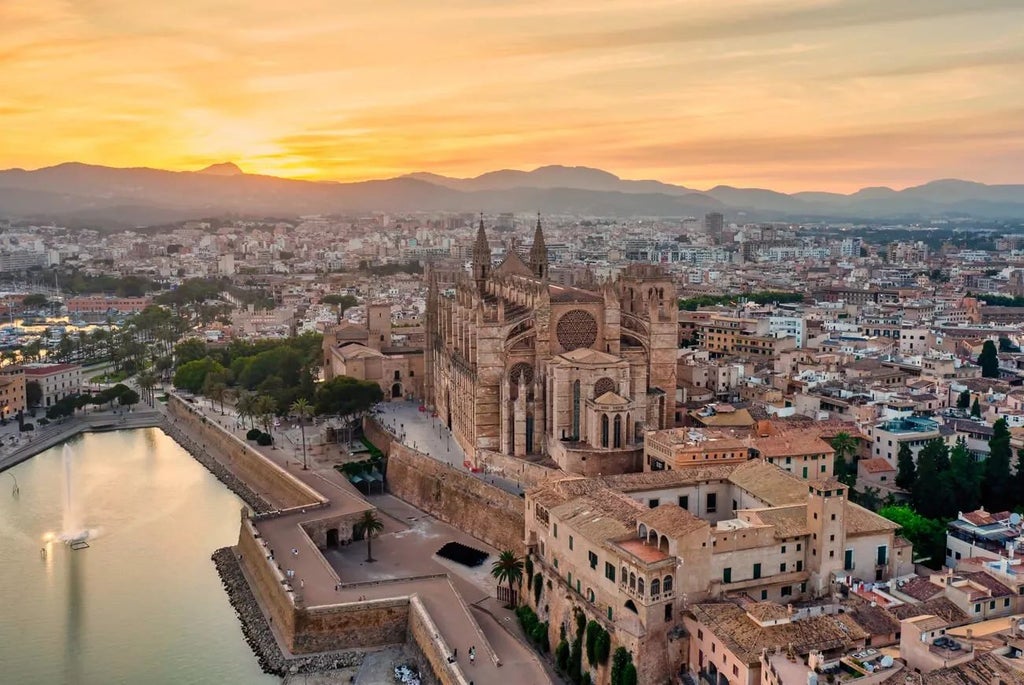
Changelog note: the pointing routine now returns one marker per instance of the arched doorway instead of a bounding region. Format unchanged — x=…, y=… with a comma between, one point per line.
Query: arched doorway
x=332, y=537
x=396, y=390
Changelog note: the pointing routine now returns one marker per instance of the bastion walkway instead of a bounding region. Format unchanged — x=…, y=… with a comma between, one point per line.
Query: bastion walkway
x=460, y=601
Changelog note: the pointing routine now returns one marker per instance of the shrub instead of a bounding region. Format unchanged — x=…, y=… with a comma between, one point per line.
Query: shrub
x=44, y=421
x=629, y=675
x=27, y=427
x=540, y=637
x=538, y=584
x=562, y=656
x=603, y=646
x=264, y=440
x=253, y=434
x=576, y=662
x=593, y=630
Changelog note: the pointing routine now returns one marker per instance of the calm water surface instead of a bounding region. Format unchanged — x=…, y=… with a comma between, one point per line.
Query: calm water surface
x=144, y=603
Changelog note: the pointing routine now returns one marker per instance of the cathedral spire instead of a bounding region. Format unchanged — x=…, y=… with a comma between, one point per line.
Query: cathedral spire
x=539, y=252
x=481, y=255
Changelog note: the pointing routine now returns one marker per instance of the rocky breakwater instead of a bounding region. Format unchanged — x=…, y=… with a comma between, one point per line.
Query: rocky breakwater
x=257, y=631
x=230, y=480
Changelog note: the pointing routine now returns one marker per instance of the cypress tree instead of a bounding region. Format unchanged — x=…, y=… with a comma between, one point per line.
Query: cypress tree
x=996, y=494
x=906, y=473
x=988, y=360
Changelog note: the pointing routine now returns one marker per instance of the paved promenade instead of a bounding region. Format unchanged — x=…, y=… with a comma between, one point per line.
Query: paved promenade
x=429, y=435
x=16, y=447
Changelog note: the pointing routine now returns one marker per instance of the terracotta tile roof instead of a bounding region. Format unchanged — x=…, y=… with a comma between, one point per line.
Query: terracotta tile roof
x=979, y=517
x=600, y=516
x=876, y=465
x=791, y=444
x=985, y=669
x=769, y=483
x=939, y=606
x=653, y=480
x=745, y=638
x=671, y=520
x=766, y=611
x=996, y=588
x=920, y=589
x=789, y=522
x=860, y=521
x=874, y=619
x=926, y=622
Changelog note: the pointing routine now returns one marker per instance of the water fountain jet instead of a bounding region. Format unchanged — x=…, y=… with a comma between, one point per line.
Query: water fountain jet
x=72, y=532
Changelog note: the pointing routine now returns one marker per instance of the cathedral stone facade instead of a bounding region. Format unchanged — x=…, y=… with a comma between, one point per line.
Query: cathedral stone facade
x=519, y=365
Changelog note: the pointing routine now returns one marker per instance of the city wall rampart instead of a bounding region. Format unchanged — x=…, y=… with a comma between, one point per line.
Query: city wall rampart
x=262, y=475
x=460, y=500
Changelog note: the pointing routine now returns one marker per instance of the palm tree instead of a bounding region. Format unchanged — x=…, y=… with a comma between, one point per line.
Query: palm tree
x=245, y=405
x=368, y=525
x=508, y=568
x=844, y=444
x=264, y=407
x=301, y=408
x=146, y=381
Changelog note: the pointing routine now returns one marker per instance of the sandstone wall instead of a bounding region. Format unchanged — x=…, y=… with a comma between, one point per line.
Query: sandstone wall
x=467, y=503
x=265, y=582
x=378, y=435
x=358, y=624
x=262, y=475
x=526, y=472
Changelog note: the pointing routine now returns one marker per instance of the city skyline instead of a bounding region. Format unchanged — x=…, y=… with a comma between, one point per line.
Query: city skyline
x=792, y=96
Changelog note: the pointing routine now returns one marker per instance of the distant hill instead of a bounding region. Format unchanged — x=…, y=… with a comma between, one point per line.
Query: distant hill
x=139, y=196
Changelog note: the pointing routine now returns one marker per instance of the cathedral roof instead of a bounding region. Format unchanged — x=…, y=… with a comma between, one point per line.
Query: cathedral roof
x=513, y=264
x=562, y=293
x=585, y=355
x=612, y=399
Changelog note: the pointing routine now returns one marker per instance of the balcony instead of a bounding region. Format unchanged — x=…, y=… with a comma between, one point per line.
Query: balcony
x=763, y=581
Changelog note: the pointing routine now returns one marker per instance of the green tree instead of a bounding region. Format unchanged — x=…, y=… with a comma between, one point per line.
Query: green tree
x=369, y=525
x=996, y=493
x=562, y=656
x=245, y=407
x=508, y=568
x=192, y=375
x=928, y=536
x=128, y=398
x=147, y=381
x=345, y=396
x=845, y=446
x=931, y=494
x=189, y=350
x=963, y=400
x=342, y=302
x=35, y=301
x=33, y=394
x=906, y=471
x=976, y=409
x=216, y=388
x=965, y=475
x=303, y=411
x=264, y=408
x=1018, y=481
x=988, y=360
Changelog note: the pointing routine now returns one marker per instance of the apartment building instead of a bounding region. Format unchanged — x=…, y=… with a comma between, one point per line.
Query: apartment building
x=632, y=551
x=56, y=381
x=12, y=393
x=676, y=448
x=887, y=436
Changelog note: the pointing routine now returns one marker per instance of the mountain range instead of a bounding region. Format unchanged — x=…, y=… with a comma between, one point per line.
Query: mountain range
x=83, y=194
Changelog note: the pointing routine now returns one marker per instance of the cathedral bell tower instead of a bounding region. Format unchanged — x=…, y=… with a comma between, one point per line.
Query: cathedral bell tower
x=481, y=257
x=539, y=253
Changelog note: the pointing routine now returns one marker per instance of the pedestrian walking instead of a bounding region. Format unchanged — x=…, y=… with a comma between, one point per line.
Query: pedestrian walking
x=472, y=654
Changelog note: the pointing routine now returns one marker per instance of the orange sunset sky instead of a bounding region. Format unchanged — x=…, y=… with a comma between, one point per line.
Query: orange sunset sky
x=788, y=94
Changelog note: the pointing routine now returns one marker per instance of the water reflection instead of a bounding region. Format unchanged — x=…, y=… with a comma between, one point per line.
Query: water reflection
x=73, y=616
